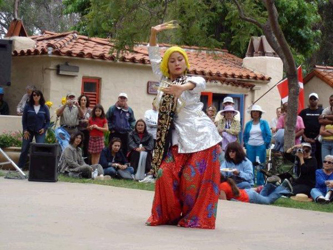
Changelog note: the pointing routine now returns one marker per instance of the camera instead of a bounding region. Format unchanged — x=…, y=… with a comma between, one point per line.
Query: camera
x=298, y=150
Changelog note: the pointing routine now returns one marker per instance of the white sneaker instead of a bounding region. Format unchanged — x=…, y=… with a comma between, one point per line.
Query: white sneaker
x=94, y=174
x=148, y=179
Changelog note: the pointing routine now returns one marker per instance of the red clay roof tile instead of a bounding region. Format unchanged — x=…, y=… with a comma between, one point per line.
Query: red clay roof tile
x=213, y=65
x=325, y=73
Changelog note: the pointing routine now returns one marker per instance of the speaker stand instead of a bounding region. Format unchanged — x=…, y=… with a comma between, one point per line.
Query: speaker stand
x=10, y=161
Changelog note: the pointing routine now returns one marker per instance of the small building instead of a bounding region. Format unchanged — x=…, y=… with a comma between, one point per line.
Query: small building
x=57, y=63
x=320, y=81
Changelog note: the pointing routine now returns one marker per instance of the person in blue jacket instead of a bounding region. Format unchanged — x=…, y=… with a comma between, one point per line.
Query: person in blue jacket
x=322, y=192
x=121, y=121
x=237, y=167
x=257, y=138
x=35, y=121
x=113, y=160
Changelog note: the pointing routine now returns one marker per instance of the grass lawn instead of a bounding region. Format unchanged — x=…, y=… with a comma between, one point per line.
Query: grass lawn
x=282, y=202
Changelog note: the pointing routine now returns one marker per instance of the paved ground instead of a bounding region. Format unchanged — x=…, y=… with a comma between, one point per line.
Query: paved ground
x=37, y=215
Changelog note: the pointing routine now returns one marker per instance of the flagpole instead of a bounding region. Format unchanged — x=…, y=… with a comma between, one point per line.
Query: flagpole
x=268, y=91
x=271, y=89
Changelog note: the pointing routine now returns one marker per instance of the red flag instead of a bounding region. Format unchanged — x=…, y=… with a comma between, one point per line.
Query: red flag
x=284, y=90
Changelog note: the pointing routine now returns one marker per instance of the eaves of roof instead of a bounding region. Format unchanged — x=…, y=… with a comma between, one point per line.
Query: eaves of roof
x=325, y=73
x=216, y=65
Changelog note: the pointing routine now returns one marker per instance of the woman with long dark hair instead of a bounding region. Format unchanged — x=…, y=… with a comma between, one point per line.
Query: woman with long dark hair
x=73, y=165
x=237, y=166
x=113, y=160
x=35, y=121
x=84, y=103
x=139, y=141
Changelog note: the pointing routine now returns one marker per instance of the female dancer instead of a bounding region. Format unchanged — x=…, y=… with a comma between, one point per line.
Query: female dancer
x=187, y=169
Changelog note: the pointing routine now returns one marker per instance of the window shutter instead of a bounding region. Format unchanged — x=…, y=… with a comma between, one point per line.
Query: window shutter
x=91, y=88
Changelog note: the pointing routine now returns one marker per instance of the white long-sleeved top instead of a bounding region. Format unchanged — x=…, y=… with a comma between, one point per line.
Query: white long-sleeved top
x=151, y=118
x=194, y=130
x=22, y=103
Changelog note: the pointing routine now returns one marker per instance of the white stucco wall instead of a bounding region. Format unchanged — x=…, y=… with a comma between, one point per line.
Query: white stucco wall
x=318, y=86
x=272, y=67
x=10, y=123
x=115, y=78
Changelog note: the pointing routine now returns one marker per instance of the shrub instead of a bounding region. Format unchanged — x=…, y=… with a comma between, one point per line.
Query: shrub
x=11, y=139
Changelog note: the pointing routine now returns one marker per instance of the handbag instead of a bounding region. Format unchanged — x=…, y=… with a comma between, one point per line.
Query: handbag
x=140, y=173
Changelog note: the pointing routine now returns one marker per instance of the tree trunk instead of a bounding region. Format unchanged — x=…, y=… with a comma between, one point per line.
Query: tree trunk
x=276, y=39
x=16, y=9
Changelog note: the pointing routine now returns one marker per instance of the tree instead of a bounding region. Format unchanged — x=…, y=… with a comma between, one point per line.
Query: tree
x=278, y=42
x=37, y=15
x=206, y=23
x=324, y=56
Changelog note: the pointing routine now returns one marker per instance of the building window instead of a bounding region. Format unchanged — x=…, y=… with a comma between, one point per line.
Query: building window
x=91, y=88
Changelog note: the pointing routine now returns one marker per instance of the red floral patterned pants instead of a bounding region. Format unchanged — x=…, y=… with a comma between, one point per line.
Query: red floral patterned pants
x=187, y=189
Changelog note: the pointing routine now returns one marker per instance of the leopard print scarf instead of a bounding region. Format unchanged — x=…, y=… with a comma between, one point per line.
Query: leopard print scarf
x=166, y=114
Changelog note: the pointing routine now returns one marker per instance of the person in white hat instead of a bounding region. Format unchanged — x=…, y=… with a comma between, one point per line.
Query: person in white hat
x=257, y=138
x=312, y=126
x=228, y=126
x=227, y=101
x=121, y=120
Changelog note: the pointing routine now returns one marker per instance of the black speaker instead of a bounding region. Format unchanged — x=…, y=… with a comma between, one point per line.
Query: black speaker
x=43, y=162
x=5, y=61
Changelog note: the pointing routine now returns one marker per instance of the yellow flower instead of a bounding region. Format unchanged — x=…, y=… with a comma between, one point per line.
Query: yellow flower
x=49, y=104
x=63, y=101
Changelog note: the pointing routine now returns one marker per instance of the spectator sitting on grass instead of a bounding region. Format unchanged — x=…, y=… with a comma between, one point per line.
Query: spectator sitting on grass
x=113, y=160
x=268, y=195
x=237, y=166
x=322, y=193
x=72, y=163
x=305, y=167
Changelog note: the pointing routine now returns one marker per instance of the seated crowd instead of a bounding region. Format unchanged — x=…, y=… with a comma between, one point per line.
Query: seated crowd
x=129, y=152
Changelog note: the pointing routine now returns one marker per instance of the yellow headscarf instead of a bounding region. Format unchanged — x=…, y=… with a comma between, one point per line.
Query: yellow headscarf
x=164, y=64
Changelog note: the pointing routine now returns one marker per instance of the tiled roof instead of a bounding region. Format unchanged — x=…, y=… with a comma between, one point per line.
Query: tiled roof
x=325, y=73
x=220, y=65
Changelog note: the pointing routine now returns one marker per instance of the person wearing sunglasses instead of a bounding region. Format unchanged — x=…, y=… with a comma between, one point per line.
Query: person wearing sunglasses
x=237, y=167
x=35, y=121
x=305, y=167
x=322, y=193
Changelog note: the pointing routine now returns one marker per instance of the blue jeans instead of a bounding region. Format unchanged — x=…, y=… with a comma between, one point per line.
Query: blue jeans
x=315, y=193
x=268, y=195
x=252, y=152
x=244, y=185
x=326, y=148
x=113, y=172
x=40, y=138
